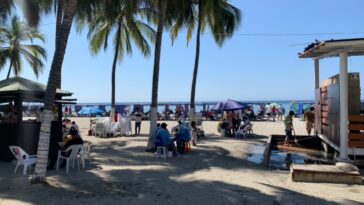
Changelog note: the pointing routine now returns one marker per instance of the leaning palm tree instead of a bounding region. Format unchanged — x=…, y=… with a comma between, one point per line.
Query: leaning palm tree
x=128, y=29
x=221, y=17
x=157, y=55
x=69, y=11
x=13, y=48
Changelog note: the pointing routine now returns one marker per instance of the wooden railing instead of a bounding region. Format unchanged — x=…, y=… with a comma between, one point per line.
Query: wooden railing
x=356, y=131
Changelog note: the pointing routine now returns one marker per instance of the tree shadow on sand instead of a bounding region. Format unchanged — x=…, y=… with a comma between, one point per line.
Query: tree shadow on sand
x=120, y=173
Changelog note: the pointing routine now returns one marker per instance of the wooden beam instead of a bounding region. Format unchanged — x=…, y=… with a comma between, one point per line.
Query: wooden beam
x=356, y=127
x=356, y=144
x=356, y=118
x=356, y=136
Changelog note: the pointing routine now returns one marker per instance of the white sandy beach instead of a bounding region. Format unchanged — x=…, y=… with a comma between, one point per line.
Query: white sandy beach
x=216, y=172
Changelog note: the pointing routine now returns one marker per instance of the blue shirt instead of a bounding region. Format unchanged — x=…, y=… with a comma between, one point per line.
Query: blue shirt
x=163, y=137
x=183, y=134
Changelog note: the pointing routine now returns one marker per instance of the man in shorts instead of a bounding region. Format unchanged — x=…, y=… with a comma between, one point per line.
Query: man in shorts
x=309, y=117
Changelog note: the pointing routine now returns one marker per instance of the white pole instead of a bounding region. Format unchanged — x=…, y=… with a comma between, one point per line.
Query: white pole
x=317, y=73
x=343, y=106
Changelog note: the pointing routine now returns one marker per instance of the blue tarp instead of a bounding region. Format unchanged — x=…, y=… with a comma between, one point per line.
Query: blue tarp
x=88, y=111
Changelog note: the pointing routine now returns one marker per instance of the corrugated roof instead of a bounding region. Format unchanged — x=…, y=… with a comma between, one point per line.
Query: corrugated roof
x=21, y=85
x=333, y=48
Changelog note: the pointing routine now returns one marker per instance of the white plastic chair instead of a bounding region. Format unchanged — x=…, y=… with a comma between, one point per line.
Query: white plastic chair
x=246, y=130
x=100, y=129
x=73, y=151
x=22, y=158
x=161, y=152
x=111, y=128
x=85, y=154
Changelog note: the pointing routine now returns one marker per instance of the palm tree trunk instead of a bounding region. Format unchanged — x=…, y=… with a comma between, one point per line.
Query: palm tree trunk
x=11, y=64
x=60, y=8
x=157, y=56
x=197, y=60
x=47, y=115
x=113, y=73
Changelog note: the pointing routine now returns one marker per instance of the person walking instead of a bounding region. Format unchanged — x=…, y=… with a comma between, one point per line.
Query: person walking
x=288, y=123
x=138, y=121
x=309, y=117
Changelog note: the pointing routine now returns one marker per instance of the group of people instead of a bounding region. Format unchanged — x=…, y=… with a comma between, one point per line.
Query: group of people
x=179, y=136
x=70, y=136
x=232, y=121
x=273, y=112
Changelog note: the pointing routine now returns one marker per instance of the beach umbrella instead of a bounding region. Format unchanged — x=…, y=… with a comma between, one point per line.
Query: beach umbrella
x=229, y=105
x=89, y=111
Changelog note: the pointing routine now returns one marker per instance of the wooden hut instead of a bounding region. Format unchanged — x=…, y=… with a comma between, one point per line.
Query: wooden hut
x=338, y=121
x=25, y=133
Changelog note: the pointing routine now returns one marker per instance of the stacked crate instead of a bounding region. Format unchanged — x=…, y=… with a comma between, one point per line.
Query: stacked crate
x=328, y=105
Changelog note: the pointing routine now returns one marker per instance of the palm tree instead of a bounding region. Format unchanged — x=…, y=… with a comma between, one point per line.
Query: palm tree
x=5, y=9
x=157, y=55
x=221, y=17
x=128, y=28
x=69, y=11
x=13, y=49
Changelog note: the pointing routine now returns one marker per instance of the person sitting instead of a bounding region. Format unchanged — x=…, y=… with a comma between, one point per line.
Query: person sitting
x=156, y=138
x=163, y=138
x=72, y=139
x=182, y=136
x=246, y=122
x=74, y=125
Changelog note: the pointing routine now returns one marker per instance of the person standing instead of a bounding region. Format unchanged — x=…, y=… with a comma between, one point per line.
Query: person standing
x=288, y=123
x=309, y=117
x=194, y=131
x=138, y=121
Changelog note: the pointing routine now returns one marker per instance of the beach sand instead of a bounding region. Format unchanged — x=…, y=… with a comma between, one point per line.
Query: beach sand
x=216, y=172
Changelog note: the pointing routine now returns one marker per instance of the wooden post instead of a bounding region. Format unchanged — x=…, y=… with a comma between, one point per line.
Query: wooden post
x=317, y=73
x=343, y=106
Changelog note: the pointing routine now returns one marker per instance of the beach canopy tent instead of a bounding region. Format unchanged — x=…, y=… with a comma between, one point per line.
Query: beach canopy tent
x=91, y=111
x=229, y=105
x=342, y=48
x=25, y=134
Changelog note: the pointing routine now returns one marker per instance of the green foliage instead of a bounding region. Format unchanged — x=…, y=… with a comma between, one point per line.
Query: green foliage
x=219, y=16
x=126, y=16
x=16, y=43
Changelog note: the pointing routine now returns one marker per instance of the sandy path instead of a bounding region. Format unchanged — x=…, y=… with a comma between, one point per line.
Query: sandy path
x=216, y=172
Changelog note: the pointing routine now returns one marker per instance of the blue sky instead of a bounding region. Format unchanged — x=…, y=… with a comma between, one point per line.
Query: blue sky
x=247, y=67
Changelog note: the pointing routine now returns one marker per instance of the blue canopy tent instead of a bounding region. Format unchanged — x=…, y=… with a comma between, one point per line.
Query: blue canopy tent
x=90, y=111
x=229, y=105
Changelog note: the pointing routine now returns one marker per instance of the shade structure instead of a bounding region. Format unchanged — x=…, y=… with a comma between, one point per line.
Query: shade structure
x=88, y=111
x=229, y=105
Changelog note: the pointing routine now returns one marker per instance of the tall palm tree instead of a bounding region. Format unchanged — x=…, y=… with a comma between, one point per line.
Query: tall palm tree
x=157, y=55
x=13, y=48
x=221, y=17
x=128, y=29
x=69, y=11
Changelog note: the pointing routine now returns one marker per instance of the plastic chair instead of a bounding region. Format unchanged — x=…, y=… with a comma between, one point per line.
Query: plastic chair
x=85, y=154
x=111, y=128
x=73, y=155
x=246, y=130
x=100, y=129
x=22, y=158
x=161, y=152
